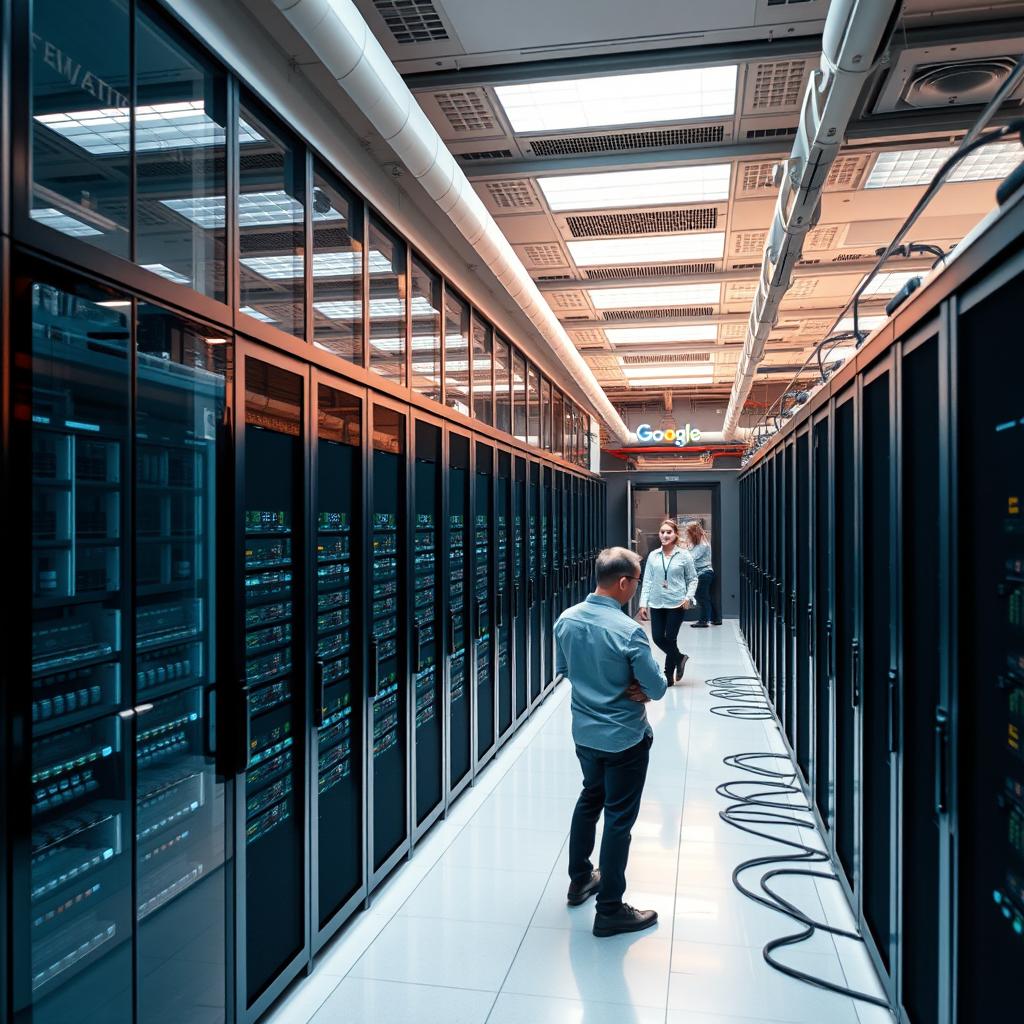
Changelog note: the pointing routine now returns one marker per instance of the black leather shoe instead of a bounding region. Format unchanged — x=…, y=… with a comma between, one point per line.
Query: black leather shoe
x=681, y=667
x=717, y=622
x=579, y=894
x=628, y=919
x=698, y=625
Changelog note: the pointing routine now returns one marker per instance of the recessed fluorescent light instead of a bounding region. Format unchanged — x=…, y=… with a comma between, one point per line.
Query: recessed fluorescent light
x=325, y=264
x=171, y=275
x=678, y=95
x=656, y=295
x=918, y=166
x=158, y=126
x=708, y=245
x=62, y=222
x=216, y=341
x=670, y=382
x=257, y=315
x=864, y=323
x=683, y=370
x=890, y=282
x=654, y=335
x=115, y=303
x=657, y=186
x=382, y=308
x=254, y=209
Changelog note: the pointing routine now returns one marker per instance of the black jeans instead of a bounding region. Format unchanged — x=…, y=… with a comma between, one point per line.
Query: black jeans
x=665, y=623
x=613, y=782
x=708, y=612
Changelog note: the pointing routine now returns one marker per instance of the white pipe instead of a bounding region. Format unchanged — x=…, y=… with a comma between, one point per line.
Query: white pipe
x=338, y=35
x=853, y=40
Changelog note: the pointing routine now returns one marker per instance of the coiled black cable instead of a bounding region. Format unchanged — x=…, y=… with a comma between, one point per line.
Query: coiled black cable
x=767, y=806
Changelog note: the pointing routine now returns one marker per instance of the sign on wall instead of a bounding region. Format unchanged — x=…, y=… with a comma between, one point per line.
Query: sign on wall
x=646, y=434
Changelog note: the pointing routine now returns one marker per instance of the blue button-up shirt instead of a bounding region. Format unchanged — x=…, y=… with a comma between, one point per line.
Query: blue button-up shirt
x=600, y=650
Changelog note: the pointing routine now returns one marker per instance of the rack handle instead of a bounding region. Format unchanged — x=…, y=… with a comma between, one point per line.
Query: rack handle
x=941, y=760
x=810, y=631
x=894, y=679
x=515, y=601
x=418, y=645
x=374, y=666
x=451, y=631
x=319, y=695
x=855, y=673
x=246, y=731
x=499, y=610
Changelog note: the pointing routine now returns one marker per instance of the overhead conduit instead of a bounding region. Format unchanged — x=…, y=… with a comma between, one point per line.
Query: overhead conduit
x=855, y=36
x=341, y=39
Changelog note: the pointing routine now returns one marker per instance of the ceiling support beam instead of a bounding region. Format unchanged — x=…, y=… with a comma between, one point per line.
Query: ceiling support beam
x=866, y=309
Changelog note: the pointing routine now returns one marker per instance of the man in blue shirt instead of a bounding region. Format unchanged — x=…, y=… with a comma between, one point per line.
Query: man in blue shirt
x=607, y=659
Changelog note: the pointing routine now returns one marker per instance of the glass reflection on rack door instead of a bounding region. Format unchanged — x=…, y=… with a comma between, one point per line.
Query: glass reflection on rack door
x=482, y=640
x=458, y=667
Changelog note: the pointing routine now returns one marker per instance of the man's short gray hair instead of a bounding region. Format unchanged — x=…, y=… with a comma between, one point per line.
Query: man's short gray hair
x=614, y=563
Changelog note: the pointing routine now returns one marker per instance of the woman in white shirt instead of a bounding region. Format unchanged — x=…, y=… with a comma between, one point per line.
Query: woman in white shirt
x=669, y=586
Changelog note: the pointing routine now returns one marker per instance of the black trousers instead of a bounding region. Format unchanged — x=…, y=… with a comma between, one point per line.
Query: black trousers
x=665, y=624
x=708, y=612
x=612, y=783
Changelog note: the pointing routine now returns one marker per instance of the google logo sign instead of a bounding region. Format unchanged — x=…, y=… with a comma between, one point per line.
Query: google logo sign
x=680, y=438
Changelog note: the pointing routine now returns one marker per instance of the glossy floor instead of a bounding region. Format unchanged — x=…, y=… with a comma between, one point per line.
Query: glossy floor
x=475, y=928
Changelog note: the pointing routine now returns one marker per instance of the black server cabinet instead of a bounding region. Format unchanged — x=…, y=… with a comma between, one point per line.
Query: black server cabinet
x=272, y=805
x=387, y=678
x=804, y=608
x=771, y=569
x=846, y=642
x=520, y=614
x=562, y=548
x=545, y=582
x=483, y=604
x=919, y=674
x=789, y=593
x=989, y=737
x=460, y=756
x=427, y=625
x=338, y=870
x=504, y=574
x=533, y=572
x=822, y=535
x=878, y=520
x=779, y=520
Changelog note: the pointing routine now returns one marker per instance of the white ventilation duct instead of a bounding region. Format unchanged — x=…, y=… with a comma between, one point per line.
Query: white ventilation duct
x=855, y=36
x=338, y=35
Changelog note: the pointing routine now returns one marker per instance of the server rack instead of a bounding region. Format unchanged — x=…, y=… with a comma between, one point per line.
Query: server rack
x=533, y=576
x=484, y=624
x=505, y=573
x=547, y=638
x=520, y=613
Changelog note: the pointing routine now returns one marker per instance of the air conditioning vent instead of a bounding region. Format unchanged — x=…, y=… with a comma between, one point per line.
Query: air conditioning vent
x=486, y=154
x=732, y=332
x=554, y=277
x=412, y=21
x=668, y=358
x=589, y=339
x=745, y=266
x=807, y=263
x=467, y=110
x=655, y=138
x=777, y=86
x=645, y=222
x=825, y=237
x=740, y=291
x=848, y=257
x=771, y=133
x=567, y=300
x=803, y=287
x=543, y=254
x=514, y=194
x=756, y=178
x=959, y=84
x=748, y=243
x=661, y=313
x=662, y=270
x=847, y=172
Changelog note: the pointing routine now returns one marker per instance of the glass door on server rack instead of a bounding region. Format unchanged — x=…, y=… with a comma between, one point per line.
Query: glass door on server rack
x=272, y=801
x=180, y=819
x=337, y=738
x=460, y=755
x=546, y=595
x=519, y=612
x=533, y=556
x=428, y=635
x=483, y=603
x=388, y=614
x=503, y=624
x=823, y=640
x=73, y=916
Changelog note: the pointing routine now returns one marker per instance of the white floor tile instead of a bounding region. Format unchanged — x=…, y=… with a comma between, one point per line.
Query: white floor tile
x=434, y=951
x=391, y=1002
x=511, y=1008
x=302, y=1000
x=507, y=848
x=540, y=813
x=629, y=969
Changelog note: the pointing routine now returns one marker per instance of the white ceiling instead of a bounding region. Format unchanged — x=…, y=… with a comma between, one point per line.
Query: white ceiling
x=455, y=53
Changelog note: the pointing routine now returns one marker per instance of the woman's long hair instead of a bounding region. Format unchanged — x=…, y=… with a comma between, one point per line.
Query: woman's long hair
x=696, y=534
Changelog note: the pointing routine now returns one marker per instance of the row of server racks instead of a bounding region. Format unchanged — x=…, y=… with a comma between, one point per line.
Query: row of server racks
x=274, y=623
x=883, y=604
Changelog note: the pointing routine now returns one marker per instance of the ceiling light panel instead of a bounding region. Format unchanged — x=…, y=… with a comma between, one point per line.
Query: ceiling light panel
x=656, y=295
x=171, y=275
x=889, y=282
x=679, y=95
x=53, y=218
x=918, y=166
x=325, y=264
x=656, y=335
x=657, y=186
x=864, y=323
x=653, y=372
x=659, y=249
x=254, y=209
x=379, y=308
x=663, y=382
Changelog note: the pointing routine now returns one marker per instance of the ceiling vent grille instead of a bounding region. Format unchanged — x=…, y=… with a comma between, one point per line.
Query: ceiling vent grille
x=589, y=339
x=644, y=222
x=803, y=287
x=778, y=85
x=847, y=172
x=848, y=257
x=745, y=266
x=544, y=254
x=661, y=313
x=740, y=291
x=555, y=277
x=816, y=326
x=822, y=238
x=732, y=332
x=655, y=138
x=661, y=270
x=515, y=194
x=412, y=21
x=748, y=243
x=807, y=263
x=567, y=300
x=666, y=358
x=467, y=110
x=486, y=154
x=771, y=133
x=756, y=178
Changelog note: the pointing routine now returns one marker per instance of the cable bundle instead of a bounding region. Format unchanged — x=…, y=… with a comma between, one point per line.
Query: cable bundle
x=764, y=801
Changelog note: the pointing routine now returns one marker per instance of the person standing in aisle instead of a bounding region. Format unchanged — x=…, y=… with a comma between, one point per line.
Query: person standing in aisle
x=669, y=587
x=612, y=673
x=700, y=551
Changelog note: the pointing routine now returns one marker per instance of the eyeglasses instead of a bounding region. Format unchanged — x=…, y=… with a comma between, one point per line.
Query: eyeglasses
x=635, y=579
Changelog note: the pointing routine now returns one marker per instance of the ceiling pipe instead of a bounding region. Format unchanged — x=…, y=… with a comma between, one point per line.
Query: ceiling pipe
x=341, y=39
x=855, y=38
